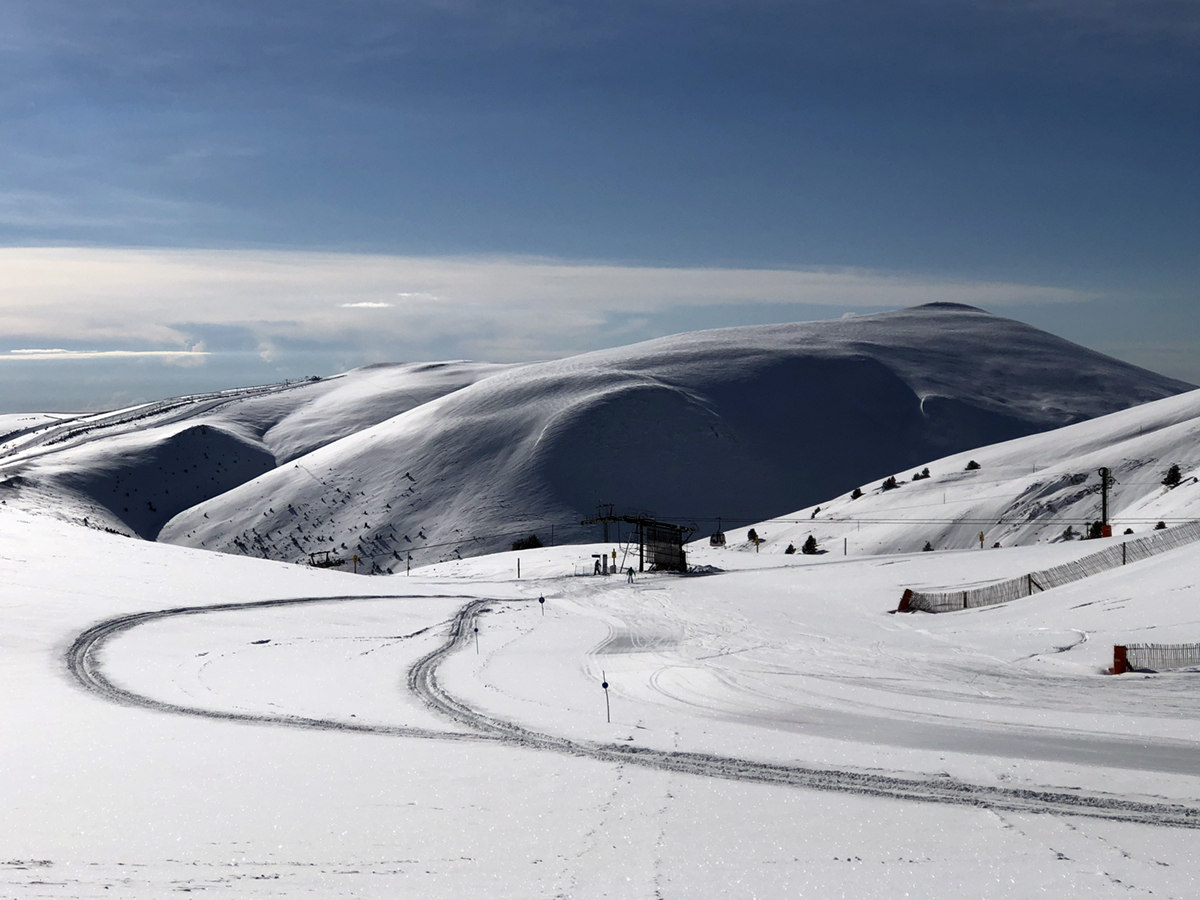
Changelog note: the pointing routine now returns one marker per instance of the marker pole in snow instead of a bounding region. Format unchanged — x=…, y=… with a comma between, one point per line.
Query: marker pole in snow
x=355, y=563
x=845, y=546
x=607, y=708
x=408, y=564
x=476, y=640
x=518, y=567
x=542, y=604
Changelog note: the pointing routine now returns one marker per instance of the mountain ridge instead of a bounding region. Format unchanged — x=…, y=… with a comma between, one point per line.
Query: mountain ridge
x=718, y=422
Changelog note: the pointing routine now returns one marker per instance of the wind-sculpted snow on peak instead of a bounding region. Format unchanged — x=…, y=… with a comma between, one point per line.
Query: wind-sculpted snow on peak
x=736, y=422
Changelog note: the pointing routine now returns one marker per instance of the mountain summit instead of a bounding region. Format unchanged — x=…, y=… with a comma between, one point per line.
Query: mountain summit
x=741, y=423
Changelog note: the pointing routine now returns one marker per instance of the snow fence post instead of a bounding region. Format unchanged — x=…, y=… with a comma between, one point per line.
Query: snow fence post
x=1120, y=660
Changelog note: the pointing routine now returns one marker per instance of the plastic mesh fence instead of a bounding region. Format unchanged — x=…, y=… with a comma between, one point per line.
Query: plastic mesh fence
x=1162, y=656
x=1026, y=585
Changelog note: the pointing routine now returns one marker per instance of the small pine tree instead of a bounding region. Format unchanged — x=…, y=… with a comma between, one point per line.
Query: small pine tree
x=810, y=546
x=1160, y=525
x=1129, y=531
x=856, y=493
x=530, y=543
x=889, y=483
x=752, y=536
x=1173, y=477
x=791, y=548
x=928, y=546
x=972, y=466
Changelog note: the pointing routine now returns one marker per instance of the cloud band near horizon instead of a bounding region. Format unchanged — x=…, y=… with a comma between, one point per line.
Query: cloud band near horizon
x=371, y=308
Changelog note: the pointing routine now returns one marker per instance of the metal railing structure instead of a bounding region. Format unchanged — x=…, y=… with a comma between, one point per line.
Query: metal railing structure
x=1027, y=585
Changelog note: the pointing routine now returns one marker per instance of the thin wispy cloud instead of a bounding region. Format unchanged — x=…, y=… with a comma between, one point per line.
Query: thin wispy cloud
x=182, y=359
x=36, y=353
x=500, y=308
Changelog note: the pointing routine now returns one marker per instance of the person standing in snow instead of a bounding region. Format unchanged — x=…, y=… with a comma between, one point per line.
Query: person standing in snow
x=630, y=574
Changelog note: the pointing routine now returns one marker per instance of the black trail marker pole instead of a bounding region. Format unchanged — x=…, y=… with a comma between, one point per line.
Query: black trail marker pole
x=607, y=708
x=476, y=640
x=542, y=604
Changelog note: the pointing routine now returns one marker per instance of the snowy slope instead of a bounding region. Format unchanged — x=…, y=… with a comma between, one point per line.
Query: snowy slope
x=1026, y=491
x=339, y=781
x=133, y=470
x=738, y=422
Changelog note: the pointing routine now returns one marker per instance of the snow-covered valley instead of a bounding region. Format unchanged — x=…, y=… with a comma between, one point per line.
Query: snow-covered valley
x=179, y=720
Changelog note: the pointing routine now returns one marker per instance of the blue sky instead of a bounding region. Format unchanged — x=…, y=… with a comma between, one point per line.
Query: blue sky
x=1045, y=145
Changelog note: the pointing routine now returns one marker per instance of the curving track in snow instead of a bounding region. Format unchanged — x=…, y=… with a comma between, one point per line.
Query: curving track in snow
x=84, y=661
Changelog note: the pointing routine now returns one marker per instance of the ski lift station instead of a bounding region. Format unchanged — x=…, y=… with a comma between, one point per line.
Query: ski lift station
x=659, y=544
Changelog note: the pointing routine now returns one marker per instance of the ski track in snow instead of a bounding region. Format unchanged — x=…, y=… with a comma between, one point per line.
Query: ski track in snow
x=83, y=660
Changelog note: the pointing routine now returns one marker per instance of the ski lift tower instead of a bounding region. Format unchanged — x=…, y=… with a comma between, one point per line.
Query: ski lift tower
x=660, y=544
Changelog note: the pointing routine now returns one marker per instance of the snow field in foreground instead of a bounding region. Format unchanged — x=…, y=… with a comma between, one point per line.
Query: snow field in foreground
x=103, y=798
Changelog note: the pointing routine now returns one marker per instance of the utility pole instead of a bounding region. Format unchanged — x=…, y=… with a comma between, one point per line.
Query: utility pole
x=1106, y=479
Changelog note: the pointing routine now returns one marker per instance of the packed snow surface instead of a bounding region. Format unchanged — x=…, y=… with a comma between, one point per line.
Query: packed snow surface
x=279, y=731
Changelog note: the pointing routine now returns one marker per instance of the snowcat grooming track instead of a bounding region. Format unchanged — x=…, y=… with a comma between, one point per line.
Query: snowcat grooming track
x=84, y=662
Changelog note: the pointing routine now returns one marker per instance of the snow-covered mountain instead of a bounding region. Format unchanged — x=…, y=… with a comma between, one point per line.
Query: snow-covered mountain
x=1043, y=488
x=460, y=458
x=131, y=470
x=736, y=422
